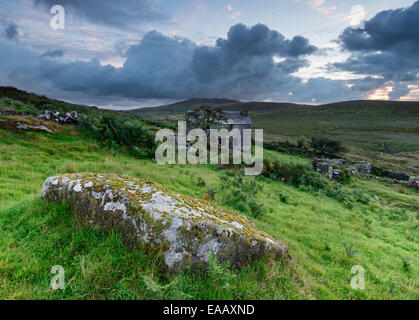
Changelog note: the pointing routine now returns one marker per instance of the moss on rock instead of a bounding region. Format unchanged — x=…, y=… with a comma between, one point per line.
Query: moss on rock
x=186, y=229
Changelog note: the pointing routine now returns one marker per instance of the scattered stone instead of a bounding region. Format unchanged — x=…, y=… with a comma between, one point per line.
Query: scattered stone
x=11, y=112
x=363, y=168
x=67, y=118
x=327, y=166
x=333, y=173
x=27, y=127
x=186, y=229
x=398, y=176
x=414, y=183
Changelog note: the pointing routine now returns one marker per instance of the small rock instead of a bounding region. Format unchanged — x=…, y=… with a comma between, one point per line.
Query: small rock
x=414, y=183
x=11, y=112
x=27, y=127
x=333, y=173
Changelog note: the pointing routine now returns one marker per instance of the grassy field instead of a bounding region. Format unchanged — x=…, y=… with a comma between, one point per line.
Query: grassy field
x=384, y=132
x=325, y=237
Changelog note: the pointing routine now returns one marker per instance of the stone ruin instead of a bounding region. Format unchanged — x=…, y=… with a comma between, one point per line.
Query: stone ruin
x=334, y=169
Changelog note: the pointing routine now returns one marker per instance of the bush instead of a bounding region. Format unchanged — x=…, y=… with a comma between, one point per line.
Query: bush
x=114, y=132
x=283, y=197
x=160, y=123
x=296, y=174
x=326, y=147
x=288, y=147
x=379, y=171
x=240, y=193
x=303, y=177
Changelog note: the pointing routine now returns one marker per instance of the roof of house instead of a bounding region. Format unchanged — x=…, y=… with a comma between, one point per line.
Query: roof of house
x=237, y=117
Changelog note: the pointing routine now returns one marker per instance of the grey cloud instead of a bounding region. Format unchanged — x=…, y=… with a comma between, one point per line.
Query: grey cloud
x=366, y=84
x=324, y=90
x=115, y=13
x=11, y=31
x=399, y=91
x=57, y=53
x=388, y=47
x=259, y=40
x=162, y=67
x=390, y=30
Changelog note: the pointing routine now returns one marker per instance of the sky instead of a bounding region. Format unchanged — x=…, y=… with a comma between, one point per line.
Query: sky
x=126, y=54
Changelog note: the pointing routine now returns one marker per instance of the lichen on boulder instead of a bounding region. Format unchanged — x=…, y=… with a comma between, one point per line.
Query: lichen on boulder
x=184, y=228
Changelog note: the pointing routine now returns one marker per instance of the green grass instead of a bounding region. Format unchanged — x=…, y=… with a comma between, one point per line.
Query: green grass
x=7, y=104
x=386, y=134
x=99, y=265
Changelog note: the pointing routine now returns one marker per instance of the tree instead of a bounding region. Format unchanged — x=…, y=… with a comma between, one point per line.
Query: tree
x=205, y=118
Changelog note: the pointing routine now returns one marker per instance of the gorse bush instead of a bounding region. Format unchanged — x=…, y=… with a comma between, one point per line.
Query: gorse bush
x=304, y=177
x=159, y=123
x=300, y=148
x=114, y=132
x=379, y=171
x=316, y=147
x=125, y=132
x=326, y=147
x=282, y=197
x=296, y=174
x=241, y=192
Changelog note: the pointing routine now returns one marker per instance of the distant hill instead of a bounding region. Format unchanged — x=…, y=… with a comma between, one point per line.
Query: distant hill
x=225, y=104
x=180, y=108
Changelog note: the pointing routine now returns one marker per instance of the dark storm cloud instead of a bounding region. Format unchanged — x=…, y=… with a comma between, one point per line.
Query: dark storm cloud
x=11, y=31
x=366, y=84
x=259, y=40
x=391, y=66
x=240, y=66
x=116, y=13
x=324, y=90
x=390, y=30
x=388, y=47
x=249, y=51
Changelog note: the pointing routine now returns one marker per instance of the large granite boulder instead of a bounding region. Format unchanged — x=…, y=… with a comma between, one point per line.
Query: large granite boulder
x=186, y=229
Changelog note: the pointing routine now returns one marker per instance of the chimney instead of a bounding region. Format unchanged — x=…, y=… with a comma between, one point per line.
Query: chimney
x=244, y=113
